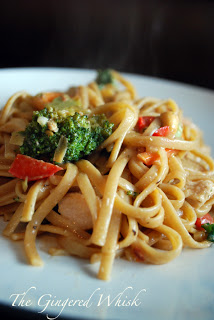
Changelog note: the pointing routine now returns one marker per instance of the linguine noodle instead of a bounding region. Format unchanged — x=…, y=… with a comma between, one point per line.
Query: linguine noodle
x=138, y=196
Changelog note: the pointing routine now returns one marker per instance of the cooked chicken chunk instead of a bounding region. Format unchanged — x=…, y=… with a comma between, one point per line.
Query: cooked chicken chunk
x=192, y=162
x=74, y=207
x=199, y=192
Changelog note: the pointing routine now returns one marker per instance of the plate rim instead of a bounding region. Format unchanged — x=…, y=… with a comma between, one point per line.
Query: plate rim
x=125, y=73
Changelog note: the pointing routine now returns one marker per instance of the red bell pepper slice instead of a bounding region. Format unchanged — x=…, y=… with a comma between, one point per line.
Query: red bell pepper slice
x=207, y=218
x=162, y=132
x=26, y=167
x=144, y=122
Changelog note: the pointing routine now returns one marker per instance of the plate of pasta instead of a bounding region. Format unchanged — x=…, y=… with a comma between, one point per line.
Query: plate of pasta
x=106, y=195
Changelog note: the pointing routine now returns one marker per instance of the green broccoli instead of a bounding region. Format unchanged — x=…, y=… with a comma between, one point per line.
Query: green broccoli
x=104, y=77
x=210, y=231
x=83, y=134
x=132, y=193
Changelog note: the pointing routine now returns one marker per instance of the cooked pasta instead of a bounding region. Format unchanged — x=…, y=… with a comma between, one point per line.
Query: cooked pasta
x=145, y=192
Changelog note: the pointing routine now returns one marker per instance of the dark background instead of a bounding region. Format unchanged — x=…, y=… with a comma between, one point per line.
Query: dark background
x=167, y=39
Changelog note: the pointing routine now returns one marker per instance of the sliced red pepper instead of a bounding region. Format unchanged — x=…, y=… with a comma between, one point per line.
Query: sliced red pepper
x=162, y=132
x=26, y=167
x=144, y=122
x=207, y=218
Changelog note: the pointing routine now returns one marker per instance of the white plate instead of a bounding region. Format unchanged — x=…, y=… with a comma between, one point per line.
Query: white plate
x=182, y=289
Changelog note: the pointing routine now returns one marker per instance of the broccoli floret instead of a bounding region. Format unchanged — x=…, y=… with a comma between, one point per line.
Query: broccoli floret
x=132, y=193
x=104, y=77
x=83, y=133
x=210, y=231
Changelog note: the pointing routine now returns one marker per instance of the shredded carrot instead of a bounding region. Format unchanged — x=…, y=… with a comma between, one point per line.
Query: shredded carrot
x=149, y=158
x=40, y=100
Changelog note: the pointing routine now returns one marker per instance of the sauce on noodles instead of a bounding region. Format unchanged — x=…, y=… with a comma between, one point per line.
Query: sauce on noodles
x=143, y=194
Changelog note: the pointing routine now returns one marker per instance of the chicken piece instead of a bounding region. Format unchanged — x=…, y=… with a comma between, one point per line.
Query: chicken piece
x=74, y=207
x=199, y=192
x=192, y=162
